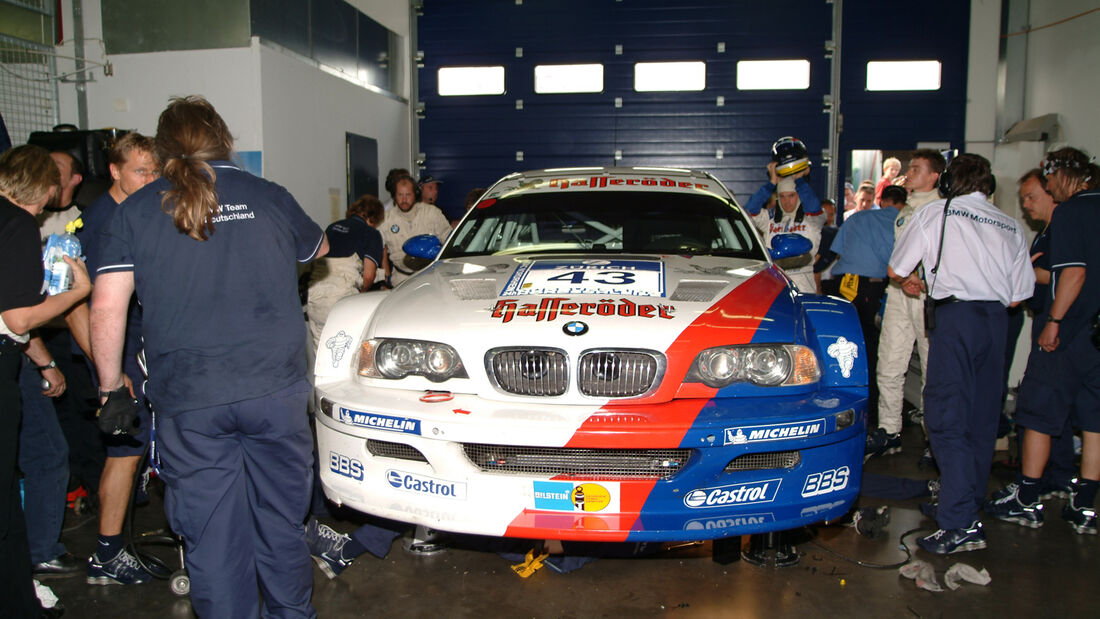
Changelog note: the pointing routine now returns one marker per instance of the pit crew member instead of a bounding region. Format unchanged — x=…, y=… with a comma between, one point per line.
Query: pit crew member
x=211, y=253
x=903, y=315
x=799, y=212
x=983, y=268
x=1063, y=370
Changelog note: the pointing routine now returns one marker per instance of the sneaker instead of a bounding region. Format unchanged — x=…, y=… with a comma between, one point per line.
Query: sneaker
x=929, y=508
x=1005, y=505
x=1082, y=519
x=934, y=489
x=927, y=460
x=944, y=542
x=326, y=546
x=121, y=570
x=1055, y=490
x=915, y=417
x=882, y=443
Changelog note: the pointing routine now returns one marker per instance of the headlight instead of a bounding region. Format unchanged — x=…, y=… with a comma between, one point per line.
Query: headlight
x=388, y=358
x=765, y=365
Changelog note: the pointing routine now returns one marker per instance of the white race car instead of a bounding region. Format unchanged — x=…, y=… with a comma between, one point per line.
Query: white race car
x=600, y=354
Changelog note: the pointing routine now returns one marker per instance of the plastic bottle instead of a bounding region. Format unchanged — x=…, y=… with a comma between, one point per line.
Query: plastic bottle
x=57, y=273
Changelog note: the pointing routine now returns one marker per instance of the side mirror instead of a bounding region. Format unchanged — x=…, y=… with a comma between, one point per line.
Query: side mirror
x=425, y=246
x=789, y=245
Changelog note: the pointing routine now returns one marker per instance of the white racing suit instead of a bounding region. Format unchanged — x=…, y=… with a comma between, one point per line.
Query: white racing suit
x=809, y=227
x=332, y=280
x=902, y=327
x=399, y=226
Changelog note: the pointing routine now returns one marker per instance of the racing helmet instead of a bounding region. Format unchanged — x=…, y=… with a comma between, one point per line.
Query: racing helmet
x=790, y=155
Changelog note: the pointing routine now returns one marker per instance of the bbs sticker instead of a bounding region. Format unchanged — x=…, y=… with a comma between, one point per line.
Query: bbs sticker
x=825, y=482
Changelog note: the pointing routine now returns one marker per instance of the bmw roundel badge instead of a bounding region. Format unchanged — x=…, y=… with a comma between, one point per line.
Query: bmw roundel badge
x=575, y=327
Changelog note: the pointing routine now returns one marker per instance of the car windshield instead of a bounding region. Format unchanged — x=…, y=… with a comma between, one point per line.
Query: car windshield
x=605, y=222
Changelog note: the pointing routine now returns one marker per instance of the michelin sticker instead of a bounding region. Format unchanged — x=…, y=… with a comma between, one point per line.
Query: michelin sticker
x=845, y=353
x=338, y=344
x=774, y=432
x=734, y=494
x=422, y=484
x=404, y=425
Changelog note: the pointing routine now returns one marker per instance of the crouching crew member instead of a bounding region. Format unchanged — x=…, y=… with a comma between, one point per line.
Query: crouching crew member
x=354, y=258
x=977, y=265
x=799, y=212
x=211, y=252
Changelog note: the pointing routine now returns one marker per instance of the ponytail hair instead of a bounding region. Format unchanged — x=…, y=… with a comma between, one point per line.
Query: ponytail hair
x=189, y=134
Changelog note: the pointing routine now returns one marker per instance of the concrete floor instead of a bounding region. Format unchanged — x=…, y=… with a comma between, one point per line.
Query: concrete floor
x=1035, y=573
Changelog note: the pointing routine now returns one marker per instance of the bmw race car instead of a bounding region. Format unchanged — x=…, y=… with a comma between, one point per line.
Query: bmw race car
x=601, y=354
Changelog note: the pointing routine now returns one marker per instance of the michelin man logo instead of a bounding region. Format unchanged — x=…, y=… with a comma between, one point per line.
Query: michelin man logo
x=338, y=344
x=845, y=353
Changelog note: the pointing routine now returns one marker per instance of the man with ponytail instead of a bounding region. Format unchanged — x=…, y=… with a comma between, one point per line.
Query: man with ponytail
x=211, y=252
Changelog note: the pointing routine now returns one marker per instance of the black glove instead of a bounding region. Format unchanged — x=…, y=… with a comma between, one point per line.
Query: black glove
x=119, y=414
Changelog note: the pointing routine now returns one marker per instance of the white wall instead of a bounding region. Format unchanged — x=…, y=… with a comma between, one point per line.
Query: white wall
x=273, y=101
x=1061, y=70
x=306, y=113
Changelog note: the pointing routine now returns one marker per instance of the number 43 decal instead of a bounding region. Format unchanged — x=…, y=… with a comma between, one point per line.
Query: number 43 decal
x=600, y=277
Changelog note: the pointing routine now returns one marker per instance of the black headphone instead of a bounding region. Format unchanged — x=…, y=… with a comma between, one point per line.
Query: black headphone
x=778, y=216
x=948, y=190
x=944, y=185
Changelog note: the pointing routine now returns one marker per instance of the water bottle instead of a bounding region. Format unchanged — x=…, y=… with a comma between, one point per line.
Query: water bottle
x=57, y=273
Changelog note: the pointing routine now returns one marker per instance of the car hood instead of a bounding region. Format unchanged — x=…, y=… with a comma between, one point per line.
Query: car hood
x=479, y=303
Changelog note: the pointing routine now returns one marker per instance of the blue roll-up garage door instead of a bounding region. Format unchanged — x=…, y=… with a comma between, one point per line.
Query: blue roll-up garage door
x=471, y=141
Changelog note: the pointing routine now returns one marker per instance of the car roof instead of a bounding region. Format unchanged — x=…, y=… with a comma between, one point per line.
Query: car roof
x=636, y=178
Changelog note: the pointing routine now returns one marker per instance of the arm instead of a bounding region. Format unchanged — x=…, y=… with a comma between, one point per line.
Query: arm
x=77, y=319
x=322, y=251
x=108, y=324
x=370, y=269
x=810, y=203
x=386, y=265
x=1070, y=281
x=37, y=353
x=759, y=199
x=23, y=319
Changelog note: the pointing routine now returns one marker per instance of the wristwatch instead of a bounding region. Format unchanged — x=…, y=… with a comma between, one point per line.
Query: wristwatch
x=1055, y=320
x=51, y=364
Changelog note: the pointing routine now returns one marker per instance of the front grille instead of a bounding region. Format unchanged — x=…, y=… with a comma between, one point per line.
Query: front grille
x=586, y=463
x=618, y=373
x=770, y=460
x=399, y=451
x=529, y=371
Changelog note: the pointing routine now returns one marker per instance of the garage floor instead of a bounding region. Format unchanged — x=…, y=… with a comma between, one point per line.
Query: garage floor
x=1036, y=573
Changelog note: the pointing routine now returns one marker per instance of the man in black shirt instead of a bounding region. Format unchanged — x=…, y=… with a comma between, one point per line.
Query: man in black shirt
x=28, y=180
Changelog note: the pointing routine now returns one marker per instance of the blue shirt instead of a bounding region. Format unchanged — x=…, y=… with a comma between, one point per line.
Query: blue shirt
x=865, y=242
x=222, y=321
x=95, y=219
x=1073, y=244
x=354, y=236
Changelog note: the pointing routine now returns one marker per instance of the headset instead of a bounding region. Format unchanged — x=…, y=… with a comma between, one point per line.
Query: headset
x=947, y=184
